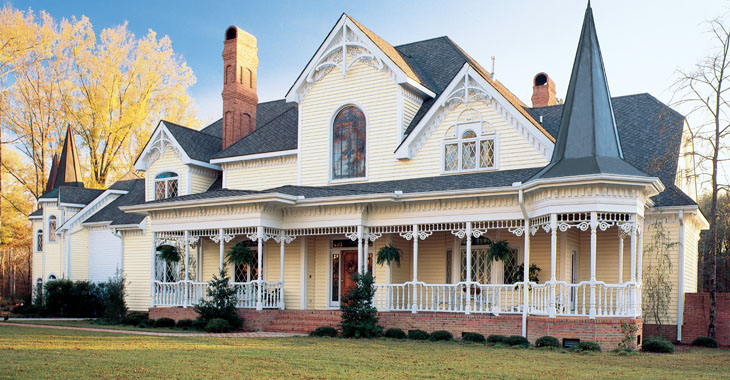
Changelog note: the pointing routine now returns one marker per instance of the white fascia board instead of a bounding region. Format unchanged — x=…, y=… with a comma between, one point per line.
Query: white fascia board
x=42, y=200
x=240, y=199
x=147, y=148
x=420, y=196
x=75, y=205
x=128, y=226
x=97, y=224
x=420, y=88
x=151, y=144
x=594, y=178
x=691, y=209
x=93, y=203
x=36, y=217
x=204, y=164
x=249, y=157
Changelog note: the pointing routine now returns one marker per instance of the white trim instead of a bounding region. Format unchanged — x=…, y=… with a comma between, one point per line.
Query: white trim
x=73, y=205
x=48, y=228
x=339, y=108
x=189, y=181
x=41, y=200
x=35, y=217
x=154, y=180
x=157, y=142
x=299, y=144
x=91, y=205
x=257, y=156
x=680, y=276
x=248, y=198
x=407, y=149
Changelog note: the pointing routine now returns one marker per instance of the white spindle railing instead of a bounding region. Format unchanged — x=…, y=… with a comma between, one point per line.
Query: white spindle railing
x=612, y=300
x=173, y=293
x=459, y=298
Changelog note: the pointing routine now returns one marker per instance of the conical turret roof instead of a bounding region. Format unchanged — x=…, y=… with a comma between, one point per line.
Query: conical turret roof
x=588, y=140
x=69, y=169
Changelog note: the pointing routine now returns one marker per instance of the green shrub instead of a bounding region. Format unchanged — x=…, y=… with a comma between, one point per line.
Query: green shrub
x=657, y=344
x=221, y=302
x=134, y=318
x=165, y=322
x=494, y=339
x=218, y=325
x=418, y=335
x=199, y=324
x=324, y=331
x=184, y=324
x=66, y=298
x=705, y=341
x=517, y=340
x=359, y=318
x=112, y=298
x=145, y=323
x=588, y=346
x=395, y=333
x=547, y=341
x=440, y=335
x=473, y=337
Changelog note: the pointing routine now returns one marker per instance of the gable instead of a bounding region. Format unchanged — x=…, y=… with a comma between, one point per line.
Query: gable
x=196, y=147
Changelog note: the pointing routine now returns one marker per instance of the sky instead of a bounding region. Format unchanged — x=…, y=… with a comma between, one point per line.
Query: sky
x=644, y=42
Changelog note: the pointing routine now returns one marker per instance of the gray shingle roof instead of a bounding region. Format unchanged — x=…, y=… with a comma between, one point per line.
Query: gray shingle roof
x=75, y=195
x=38, y=212
x=112, y=213
x=220, y=193
x=276, y=130
x=198, y=145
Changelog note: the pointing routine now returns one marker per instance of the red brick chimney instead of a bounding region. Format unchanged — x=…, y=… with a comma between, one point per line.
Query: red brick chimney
x=240, y=61
x=543, y=91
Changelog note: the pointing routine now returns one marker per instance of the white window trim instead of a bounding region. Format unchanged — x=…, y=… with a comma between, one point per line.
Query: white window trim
x=475, y=127
x=167, y=179
x=48, y=228
x=331, y=139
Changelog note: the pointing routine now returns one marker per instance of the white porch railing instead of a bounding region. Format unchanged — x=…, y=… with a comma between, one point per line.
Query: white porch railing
x=611, y=300
x=458, y=298
x=174, y=294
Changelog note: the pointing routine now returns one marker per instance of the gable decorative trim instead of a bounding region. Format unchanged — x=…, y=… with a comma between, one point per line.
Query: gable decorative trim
x=160, y=141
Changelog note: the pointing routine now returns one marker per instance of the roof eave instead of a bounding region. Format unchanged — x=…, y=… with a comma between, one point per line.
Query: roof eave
x=145, y=209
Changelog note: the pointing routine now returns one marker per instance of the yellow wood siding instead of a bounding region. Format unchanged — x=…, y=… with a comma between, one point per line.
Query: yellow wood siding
x=411, y=105
x=54, y=259
x=168, y=162
x=261, y=174
x=137, y=252
x=201, y=182
x=691, y=238
x=80, y=255
x=291, y=270
x=671, y=229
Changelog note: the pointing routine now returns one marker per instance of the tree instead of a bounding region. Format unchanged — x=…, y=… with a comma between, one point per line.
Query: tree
x=221, y=301
x=703, y=93
x=358, y=313
x=657, y=284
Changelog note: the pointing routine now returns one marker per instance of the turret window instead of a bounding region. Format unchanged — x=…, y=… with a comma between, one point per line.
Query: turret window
x=39, y=241
x=52, y=223
x=348, y=144
x=166, y=185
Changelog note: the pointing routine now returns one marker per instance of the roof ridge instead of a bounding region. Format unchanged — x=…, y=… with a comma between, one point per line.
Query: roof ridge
x=188, y=128
x=422, y=41
x=254, y=132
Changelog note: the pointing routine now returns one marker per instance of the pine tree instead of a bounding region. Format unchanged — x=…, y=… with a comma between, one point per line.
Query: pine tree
x=221, y=301
x=358, y=314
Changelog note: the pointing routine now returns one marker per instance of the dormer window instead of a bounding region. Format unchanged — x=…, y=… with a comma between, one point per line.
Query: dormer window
x=166, y=185
x=469, y=145
x=52, y=229
x=39, y=240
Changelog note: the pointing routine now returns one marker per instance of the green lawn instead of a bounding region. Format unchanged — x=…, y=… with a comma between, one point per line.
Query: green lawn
x=89, y=323
x=33, y=353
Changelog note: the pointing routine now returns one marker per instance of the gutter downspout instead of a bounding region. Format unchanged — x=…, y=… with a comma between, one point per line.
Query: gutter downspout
x=680, y=277
x=525, y=261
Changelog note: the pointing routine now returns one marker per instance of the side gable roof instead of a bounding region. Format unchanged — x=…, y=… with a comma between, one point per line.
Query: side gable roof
x=111, y=212
x=198, y=145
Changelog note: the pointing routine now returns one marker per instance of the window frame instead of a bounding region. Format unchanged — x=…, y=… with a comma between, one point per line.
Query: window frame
x=330, y=145
x=155, y=180
x=52, y=231
x=457, y=138
x=39, y=237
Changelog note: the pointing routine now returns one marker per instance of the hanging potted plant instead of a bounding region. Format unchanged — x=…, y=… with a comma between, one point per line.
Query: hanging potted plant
x=169, y=254
x=499, y=251
x=389, y=254
x=239, y=254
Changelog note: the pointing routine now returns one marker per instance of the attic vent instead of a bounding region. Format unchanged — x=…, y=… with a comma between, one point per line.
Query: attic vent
x=540, y=79
x=231, y=33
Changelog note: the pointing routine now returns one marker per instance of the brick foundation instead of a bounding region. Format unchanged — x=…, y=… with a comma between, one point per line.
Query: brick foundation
x=697, y=317
x=669, y=332
x=604, y=331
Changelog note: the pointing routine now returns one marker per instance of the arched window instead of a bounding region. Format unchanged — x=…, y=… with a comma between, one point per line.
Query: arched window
x=166, y=185
x=52, y=277
x=230, y=74
x=52, y=229
x=348, y=144
x=39, y=240
x=468, y=147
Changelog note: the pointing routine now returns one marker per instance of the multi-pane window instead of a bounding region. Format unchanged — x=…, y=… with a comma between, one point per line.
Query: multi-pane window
x=39, y=240
x=481, y=268
x=348, y=144
x=52, y=229
x=166, y=185
x=468, y=151
x=244, y=273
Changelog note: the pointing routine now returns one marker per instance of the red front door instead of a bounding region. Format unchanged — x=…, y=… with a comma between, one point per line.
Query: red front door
x=349, y=268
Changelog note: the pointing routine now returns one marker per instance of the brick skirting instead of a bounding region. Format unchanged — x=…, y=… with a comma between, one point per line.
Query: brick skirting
x=604, y=331
x=697, y=317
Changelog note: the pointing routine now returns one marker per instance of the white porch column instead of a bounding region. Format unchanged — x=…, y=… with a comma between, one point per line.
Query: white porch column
x=553, y=261
x=281, y=258
x=633, y=248
x=639, y=267
x=359, y=250
x=260, y=241
x=186, y=301
x=526, y=278
x=592, y=305
x=620, y=256
x=222, y=248
x=153, y=268
x=468, y=267
x=414, y=307
x=303, y=273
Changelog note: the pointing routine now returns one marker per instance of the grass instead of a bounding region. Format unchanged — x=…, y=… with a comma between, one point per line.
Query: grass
x=90, y=324
x=32, y=353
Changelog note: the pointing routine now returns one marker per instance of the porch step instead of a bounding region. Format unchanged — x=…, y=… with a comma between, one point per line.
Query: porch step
x=303, y=321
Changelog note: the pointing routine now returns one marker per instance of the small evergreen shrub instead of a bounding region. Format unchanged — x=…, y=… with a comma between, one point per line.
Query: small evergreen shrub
x=324, y=331
x=134, y=318
x=218, y=325
x=184, y=324
x=547, y=341
x=517, y=340
x=359, y=318
x=165, y=322
x=473, y=337
x=199, y=324
x=395, y=334
x=705, y=341
x=494, y=339
x=440, y=335
x=221, y=302
x=146, y=323
x=112, y=300
x=657, y=344
x=588, y=346
x=417, y=335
